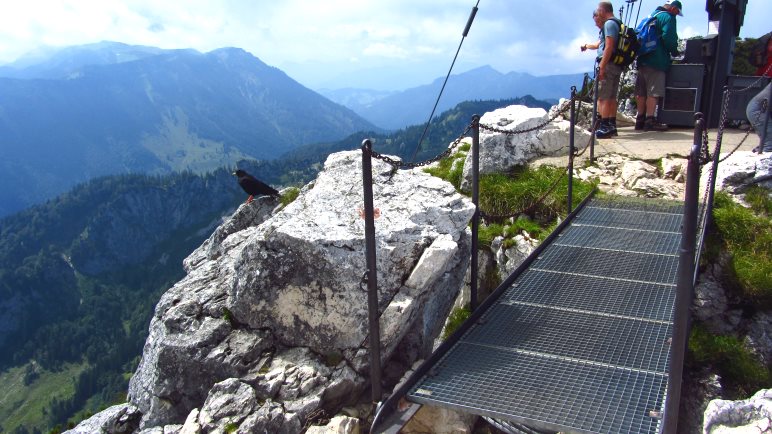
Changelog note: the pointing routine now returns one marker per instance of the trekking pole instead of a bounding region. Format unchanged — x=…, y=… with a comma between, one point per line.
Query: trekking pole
x=638, y=14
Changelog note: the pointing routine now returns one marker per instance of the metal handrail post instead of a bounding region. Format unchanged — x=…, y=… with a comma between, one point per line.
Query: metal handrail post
x=476, y=217
x=684, y=285
x=594, y=115
x=571, y=151
x=714, y=168
x=372, y=272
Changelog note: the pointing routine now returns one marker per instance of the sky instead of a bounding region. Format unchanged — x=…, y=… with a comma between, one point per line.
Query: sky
x=378, y=44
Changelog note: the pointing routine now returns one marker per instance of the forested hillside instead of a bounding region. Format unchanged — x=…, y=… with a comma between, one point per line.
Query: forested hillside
x=81, y=273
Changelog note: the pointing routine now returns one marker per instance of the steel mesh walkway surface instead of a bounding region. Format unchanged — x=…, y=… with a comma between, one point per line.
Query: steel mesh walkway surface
x=580, y=341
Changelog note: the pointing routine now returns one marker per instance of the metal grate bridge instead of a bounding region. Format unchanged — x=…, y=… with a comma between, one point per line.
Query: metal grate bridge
x=580, y=340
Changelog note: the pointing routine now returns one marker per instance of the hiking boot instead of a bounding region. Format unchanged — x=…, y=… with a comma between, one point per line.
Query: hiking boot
x=652, y=125
x=605, y=132
x=640, y=120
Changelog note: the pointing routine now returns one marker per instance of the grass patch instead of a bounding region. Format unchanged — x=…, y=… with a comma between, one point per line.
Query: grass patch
x=524, y=191
x=451, y=169
x=457, y=317
x=748, y=239
x=759, y=200
x=741, y=373
x=289, y=196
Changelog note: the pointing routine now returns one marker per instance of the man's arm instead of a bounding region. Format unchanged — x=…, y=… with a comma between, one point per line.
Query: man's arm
x=670, y=36
x=608, y=51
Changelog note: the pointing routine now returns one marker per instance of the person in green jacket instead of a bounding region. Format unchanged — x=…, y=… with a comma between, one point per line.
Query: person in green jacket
x=652, y=67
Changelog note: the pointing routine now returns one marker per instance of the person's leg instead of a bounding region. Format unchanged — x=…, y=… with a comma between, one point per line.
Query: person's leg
x=615, y=73
x=651, y=105
x=656, y=88
x=604, y=93
x=756, y=116
x=640, y=100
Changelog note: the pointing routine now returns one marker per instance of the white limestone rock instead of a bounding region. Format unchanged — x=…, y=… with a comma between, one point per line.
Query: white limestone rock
x=501, y=152
x=752, y=415
x=635, y=170
x=270, y=282
x=742, y=169
x=118, y=419
x=337, y=425
x=674, y=168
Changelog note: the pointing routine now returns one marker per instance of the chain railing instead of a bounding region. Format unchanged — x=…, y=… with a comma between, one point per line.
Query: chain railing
x=705, y=214
x=370, y=275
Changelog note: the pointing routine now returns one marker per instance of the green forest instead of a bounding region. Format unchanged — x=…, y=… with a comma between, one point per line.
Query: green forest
x=82, y=272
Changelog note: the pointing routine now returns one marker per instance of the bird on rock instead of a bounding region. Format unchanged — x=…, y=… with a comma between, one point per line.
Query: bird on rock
x=253, y=186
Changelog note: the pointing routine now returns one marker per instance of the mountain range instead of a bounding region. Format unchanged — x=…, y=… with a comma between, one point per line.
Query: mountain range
x=113, y=109
x=394, y=110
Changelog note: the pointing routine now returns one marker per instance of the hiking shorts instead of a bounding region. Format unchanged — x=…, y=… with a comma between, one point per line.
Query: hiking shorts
x=608, y=88
x=650, y=82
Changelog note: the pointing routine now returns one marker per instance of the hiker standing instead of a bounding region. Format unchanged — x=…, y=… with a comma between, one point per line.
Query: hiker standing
x=758, y=110
x=608, y=72
x=652, y=67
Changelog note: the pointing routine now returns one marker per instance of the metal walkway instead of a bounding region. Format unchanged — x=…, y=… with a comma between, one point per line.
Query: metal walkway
x=580, y=340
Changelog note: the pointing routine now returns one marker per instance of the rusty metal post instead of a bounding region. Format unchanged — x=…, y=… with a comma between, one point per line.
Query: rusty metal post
x=684, y=284
x=371, y=273
x=476, y=201
x=571, y=148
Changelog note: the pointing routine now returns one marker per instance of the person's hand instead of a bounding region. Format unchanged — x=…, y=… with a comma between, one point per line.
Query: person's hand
x=583, y=47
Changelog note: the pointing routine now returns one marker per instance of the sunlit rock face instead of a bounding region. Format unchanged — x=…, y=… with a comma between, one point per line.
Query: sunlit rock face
x=273, y=310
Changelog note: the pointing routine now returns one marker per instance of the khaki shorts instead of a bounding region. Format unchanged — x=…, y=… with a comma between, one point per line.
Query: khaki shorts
x=609, y=87
x=650, y=82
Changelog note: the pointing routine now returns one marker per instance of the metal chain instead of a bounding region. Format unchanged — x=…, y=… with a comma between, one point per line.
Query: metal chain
x=705, y=157
x=559, y=112
x=705, y=153
x=399, y=164
x=725, y=110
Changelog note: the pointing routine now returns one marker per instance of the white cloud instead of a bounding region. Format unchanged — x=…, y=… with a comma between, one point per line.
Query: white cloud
x=511, y=35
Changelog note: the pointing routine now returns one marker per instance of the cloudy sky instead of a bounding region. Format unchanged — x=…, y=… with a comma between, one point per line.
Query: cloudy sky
x=335, y=43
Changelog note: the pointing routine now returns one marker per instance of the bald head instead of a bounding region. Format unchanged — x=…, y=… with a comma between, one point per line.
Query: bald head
x=605, y=9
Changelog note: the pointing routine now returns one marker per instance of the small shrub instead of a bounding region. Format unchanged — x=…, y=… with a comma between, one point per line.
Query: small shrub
x=455, y=319
x=748, y=239
x=451, y=169
x=289, y=196
x=227, y=315
x=741, y=373
x=486, y=234
x=231, y=428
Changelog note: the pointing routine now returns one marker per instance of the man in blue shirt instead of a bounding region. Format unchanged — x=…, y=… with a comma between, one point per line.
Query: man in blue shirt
x=608, y=72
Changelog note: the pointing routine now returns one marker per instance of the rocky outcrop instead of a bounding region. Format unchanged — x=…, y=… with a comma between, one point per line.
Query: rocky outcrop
x=621, y=175
x=752, y=415
x=118, y=419
x=501, y=151
x=269, y=326
x=741, y=170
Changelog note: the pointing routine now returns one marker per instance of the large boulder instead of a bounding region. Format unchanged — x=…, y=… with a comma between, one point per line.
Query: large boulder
x=752, y=415
x=118, y=419
x=272, y=306
x=741, y=170
x=501, y=150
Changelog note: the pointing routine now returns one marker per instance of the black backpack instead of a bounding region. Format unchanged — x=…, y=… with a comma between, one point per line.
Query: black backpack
x=627, y=46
